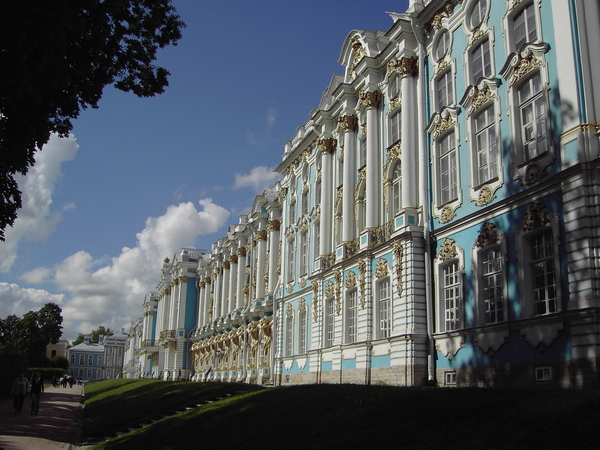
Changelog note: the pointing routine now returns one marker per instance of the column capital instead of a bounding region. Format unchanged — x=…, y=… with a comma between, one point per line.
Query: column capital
x=241, y=251
x=327, y=145
x=274, y=225
x=407, y=66
x=349, y=123
x=370, y=99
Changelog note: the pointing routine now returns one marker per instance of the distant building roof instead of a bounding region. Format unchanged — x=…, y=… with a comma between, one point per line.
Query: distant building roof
x=95, y=348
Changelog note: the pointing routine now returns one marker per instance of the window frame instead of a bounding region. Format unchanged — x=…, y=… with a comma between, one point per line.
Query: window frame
x=329, y=322
x=450, y=254
x=289, y=333
x=302, y=331
x=351, y=316
x=383, y=331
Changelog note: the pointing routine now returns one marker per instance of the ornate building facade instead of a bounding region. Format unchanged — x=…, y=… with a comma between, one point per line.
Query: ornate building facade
x=436, y=221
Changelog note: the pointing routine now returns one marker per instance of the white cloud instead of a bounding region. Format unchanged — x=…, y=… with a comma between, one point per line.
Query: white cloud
x=16, y=300
x=258, y=179
x=271, y=116
x=35, y=221
x=111, y=293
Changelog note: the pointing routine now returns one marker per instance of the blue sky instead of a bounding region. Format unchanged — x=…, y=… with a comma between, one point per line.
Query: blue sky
x=141, y=178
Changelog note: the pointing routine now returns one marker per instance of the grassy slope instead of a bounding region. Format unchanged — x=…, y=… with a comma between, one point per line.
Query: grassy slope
x=353, y=417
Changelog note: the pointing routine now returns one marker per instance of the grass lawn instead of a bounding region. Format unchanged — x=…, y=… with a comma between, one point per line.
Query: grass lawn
x=350, y=417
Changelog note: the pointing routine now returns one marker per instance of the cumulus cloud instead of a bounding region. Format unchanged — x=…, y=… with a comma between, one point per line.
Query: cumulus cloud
x=111, y=293
x=24, y=300
x=35, y=221
x=259, y=178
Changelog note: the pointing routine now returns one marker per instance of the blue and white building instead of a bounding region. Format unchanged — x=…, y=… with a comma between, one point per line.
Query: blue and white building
x=436, y=221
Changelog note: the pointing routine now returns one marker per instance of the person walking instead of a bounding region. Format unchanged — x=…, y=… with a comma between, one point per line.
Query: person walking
x=19, y=390
x=37, y=389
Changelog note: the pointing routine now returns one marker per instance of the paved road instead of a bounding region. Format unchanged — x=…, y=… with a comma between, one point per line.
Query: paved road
x=56, y=427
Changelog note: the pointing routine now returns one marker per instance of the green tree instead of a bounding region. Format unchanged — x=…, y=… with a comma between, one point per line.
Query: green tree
x=94, y=335
x=60, y=361
x=56, y=57
x=30, y=335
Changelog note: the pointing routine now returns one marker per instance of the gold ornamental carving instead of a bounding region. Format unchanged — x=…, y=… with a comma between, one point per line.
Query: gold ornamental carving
x=350, y=280
x=485, y=196
x=349, y=123
x=398, y=251
x=329, y=289
x=481, y=97
x=370, y=99
x=448, y=250
x=442, y=13
x=338, y=291
x=283, y=193
x=241, y=252
x=226, y=265
x=289, y=310
x=447, y=214
x=202, y=285
x=183, y=279
x=327, y=145
x=315, y=300
x=274, y=225
x=407, y=66
x=207, y=280
x=233, y=259
x=261, y=235
x=533, y=173
x=362, y=272
x=536, y=217
x=443, y=124
x=488, y=235
x=523, y=67
x=302, y=305
x=382, y=268
x=358, y=53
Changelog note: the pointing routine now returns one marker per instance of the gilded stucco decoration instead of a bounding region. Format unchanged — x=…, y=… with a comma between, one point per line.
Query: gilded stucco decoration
x=289, y=287
x=283, y=193
x=304, y=224
x=329, y=289
x=363, y=131
x=533, y=174
x=444, y=123
x=350, y=280
x=338, y=291
x=362, y=178
x=302, y=281
x=291, y=233
x=266, y=272
x=407, y=66
x=226, y=265
x=261, y=235
x=485, y=197
x=317, y=214
x=448, y=250
x=246, y=289
x=398, y=250
x=327, y=145
x=488, y=235
x=315, y=300
x=479, y=98
x=348, y=123
x=358, y=53
x=278, y=270
x=289, y=311
x=521, y=65
x=241, y=252
x=370, y=99
x=362, y=272
x=536, y=216
x=447, y=214
x=274, y=225
x=443, y=13
x=233, y=259
x=302, y=305
x=382, y=268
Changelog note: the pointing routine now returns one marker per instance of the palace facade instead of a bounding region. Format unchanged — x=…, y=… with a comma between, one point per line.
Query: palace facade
x=436, y=220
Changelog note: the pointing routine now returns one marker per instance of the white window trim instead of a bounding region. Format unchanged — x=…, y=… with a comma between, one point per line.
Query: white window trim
x=328, y=320
x=289, y=331
x=347, y=324
x=508, y=23
x=533, y=56
x=302, y=324
x=475, y=40
x=494, y=239
x=476, y=99
x=469, y=6
x=377, y=319
x=522, y=236
x=440, y=125
x=449, y=253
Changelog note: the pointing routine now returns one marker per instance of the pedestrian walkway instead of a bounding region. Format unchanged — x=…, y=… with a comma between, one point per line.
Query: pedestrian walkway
x=57, y=426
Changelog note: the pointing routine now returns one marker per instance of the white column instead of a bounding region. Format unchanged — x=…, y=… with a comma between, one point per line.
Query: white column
x=327, y=147
x=410, y=149
x=201, y=290
x=233, y=279
x=349, y=125
x=241, y=251
x=372, y=100
x=225, y=285
x=273, y=228
x=261, y=239
x=217, y=292
x=206, y=305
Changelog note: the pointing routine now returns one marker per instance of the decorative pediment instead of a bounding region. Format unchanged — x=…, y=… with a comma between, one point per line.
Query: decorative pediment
x=536, y=216
x=488, y=235
x=521, y=63
x=440, y=122
x=448, y=251
x=350, y=280
x=480, y=94
x=382, y=268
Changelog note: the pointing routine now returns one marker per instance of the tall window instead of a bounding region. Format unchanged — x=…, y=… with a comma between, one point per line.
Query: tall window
x=100, y=360
x=397, y=188
x=352, y=316
x=362, y=153
x=291, y=259
x=292, y=213
x=481, y=61
x=305, y=202
x=442, y=45
x=487, y=145
x=304, y=253
x=394, y=86
x=445, y=90
x=448, y=176
x=395, y=121
x=89, y=373
x=524, y=26
x=532, y=109
x=493, y=286
x=477, y=13
x=318, y=192
x=452, y=296
x=81, y=360
x=289, y=335
x=73, y=359
x=329, y=322
x=90, y=360
x=317, y=239
x=302, y=331
x=543, y=273
x=384, y=313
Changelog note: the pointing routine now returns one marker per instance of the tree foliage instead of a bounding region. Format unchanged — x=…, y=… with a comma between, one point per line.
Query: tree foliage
x=94, y=335
x=31, y=334
x=56, y=57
